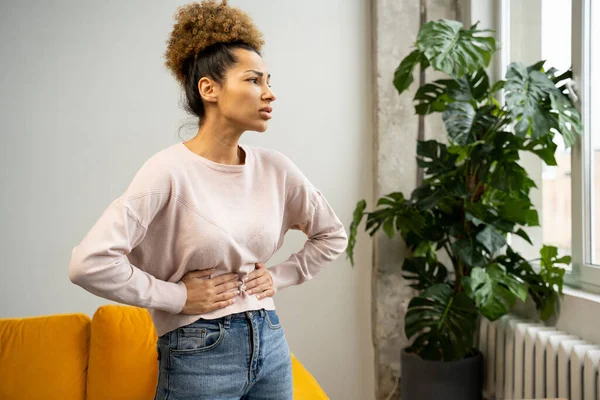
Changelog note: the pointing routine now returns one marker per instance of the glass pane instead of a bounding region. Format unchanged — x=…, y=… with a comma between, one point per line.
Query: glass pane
x=556, y=180
x=594, y=169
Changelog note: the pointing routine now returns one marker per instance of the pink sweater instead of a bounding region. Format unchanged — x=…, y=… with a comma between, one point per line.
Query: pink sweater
x=183, y=212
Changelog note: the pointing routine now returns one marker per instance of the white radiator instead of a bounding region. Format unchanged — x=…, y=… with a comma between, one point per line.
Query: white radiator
x=527, y=360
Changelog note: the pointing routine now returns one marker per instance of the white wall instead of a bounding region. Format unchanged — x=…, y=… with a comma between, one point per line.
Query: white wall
x=85, y=100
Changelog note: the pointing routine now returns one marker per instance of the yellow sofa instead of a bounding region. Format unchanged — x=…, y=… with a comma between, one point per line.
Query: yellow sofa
x=110, y=357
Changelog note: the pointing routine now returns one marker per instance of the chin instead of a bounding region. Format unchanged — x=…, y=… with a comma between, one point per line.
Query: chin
x=260, y=127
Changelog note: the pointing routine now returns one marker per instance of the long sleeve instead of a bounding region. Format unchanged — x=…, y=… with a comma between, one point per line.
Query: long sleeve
x=308, y=210
x=99, y=263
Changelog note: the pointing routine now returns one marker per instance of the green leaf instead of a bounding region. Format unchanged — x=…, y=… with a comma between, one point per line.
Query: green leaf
x=548, y=253
x=494, y=291
x=454, y=50
x=469, y=252
x=549, y=306
x=435, y=158
x=459, y=118
x=423, y=249
x=550, y=273
x=542, y=286
x=544, y=147
x=359, y=212
x=442, y=323
x=473, y=87
x=395, y=214
x=510, y=177
x=388, y=228
x=526, y=91
x=422, y=274
x=524, y=235
x=491, y=239
x=497, y=86
x=434, y=96
x=519, y=211
x=403, y=76
x=569, y=119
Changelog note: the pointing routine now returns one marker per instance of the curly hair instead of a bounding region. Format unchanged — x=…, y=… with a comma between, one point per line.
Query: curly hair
x=201, y=25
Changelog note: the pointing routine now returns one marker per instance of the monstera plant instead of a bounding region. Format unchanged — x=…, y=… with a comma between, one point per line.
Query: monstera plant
x=475, y=193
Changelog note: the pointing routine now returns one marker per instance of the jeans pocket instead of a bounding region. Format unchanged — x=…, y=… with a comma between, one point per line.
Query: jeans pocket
x=272, y=319
x=200, y=336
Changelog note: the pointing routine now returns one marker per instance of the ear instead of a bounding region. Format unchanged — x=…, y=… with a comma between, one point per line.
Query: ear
x=208, y=89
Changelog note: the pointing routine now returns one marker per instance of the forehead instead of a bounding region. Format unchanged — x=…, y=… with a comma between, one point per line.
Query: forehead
x=247, y=59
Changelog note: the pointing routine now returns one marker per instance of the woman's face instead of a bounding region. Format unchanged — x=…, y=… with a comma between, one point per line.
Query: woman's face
x=245, y=96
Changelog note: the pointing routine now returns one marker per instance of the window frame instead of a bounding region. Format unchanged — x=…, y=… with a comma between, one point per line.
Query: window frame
x=584, y=274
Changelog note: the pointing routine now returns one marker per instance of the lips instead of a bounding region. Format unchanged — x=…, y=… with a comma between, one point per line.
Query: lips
x=266, y=112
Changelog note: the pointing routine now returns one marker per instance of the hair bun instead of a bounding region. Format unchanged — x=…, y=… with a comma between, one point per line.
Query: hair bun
x=199, y=25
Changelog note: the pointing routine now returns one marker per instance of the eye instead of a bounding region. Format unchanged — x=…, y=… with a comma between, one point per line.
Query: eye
x=253, y=80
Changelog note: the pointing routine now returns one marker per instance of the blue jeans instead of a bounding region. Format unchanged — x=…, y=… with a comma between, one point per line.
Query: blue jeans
x=240, y=356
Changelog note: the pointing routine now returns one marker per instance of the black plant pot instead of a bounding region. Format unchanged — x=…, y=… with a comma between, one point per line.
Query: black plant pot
x=436, y=380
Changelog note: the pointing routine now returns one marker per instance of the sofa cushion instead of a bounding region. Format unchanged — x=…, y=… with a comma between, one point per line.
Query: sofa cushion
x=306, y=386
x=123, y=360
x=44, y=357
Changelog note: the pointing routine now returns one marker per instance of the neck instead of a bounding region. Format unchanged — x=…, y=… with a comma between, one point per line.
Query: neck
x=217, y=142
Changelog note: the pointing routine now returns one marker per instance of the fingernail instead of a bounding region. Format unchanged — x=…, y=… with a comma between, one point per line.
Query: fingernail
x=233, y=300
x=258, y=296
x=249, y=291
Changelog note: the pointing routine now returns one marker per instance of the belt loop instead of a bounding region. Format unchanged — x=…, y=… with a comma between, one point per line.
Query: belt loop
x=173, y=339
x=227, y=321
x=262, y=312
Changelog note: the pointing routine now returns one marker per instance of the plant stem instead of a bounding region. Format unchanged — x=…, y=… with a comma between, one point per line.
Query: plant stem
x=459, y=275
x=446, y=243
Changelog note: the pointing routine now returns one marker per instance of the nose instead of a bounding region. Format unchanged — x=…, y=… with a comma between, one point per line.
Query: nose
x=269, y=95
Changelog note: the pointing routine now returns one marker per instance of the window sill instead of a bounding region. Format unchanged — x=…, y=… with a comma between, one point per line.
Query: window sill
x=577, y=315
x=580, y=293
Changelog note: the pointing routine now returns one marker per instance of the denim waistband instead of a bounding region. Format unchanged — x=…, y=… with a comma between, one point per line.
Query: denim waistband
x=246, y=315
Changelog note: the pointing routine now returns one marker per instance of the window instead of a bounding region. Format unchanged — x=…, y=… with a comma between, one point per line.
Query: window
x=556, y=210
x=585, y=163
x=565, y=33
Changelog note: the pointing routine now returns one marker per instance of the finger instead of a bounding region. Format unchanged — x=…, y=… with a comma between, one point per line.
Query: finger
x=257, y=282
x=260, y=288
x=257, y=273
x=228, y=286
x=266, y=293
x=220, y=304
x=201, y=273
x=227, y=295
x=221, y=279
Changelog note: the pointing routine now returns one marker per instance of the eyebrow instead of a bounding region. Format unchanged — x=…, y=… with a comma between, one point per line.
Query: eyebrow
x=258, y=73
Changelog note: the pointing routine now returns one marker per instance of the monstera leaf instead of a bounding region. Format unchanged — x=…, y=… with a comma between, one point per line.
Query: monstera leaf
x=494, y=290
x=435, y=96
x=454, y=50
x=443, y=323
x=569, y=120
x=459, y=119
x=403, y=76
x=422, y=274
x=526, y=90
x=446, y=46
x=538, y=106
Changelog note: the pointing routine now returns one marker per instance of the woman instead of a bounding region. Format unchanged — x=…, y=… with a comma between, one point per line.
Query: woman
x=189, y=238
